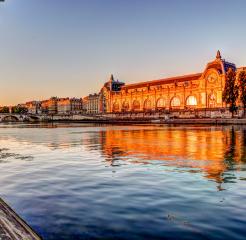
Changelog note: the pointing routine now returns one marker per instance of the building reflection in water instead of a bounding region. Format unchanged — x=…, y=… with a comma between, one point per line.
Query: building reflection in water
x=215, y=151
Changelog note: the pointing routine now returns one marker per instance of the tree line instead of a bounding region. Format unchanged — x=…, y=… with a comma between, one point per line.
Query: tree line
x=235, y=89
x=16, y=109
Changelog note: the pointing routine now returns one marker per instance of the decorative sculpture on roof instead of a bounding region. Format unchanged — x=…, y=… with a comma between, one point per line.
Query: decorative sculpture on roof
x=218, y=55
x=111, y=78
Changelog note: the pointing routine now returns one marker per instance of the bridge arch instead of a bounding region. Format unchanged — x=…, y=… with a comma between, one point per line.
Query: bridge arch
x=33, y=118
x=10, y=118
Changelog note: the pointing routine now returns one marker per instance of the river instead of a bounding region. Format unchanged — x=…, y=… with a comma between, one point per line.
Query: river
x=85, y=181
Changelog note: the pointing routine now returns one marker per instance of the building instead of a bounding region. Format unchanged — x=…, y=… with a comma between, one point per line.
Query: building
x=69, y=105
x=49, y=106
x=109, y=88
x=85, y=104
x=91, y=104
x=200, y=90
x=33, y=107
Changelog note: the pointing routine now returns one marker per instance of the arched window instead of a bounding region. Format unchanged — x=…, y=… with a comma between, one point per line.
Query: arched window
x=125, y=106
x=147, y=104
x=160, y=103
x=116, y=107
x=191, y=101
x=175, y=102
x=136, y=105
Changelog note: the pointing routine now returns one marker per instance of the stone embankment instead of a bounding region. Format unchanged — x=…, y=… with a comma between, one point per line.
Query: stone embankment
x=214, y=121
x=202, y=116
x=12, y=227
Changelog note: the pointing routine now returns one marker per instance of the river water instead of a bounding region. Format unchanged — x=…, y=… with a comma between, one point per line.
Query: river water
x=82, y=181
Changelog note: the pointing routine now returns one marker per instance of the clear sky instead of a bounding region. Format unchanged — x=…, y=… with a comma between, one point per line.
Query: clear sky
x=70, y=47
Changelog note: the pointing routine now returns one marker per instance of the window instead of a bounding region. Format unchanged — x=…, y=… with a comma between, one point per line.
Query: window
x=175, y=102
x=116, y=107
x=160, y=103
x=191, y=101
x=135, y=105
x=125, y=106
x=147, y=104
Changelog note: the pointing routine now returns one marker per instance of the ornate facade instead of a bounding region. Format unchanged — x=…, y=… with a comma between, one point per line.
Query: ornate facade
x=201, y=90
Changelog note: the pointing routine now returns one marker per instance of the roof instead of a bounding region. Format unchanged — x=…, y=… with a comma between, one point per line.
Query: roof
x=182, y=78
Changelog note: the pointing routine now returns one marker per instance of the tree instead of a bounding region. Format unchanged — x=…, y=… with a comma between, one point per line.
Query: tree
x=242, y=88
x=4, y=109
x=230, y=93
x=19, y=110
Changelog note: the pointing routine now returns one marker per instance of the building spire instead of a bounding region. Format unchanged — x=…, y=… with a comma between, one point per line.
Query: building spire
x=218, y=55
x=111, y=78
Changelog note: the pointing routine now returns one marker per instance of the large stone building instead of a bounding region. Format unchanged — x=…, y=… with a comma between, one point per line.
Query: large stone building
x=98, y=102
x=33, y=107
x=200, y=90
x=69, y=105
x=108, y=90
x=91, y=103
x=56, y=105
x=49, y=106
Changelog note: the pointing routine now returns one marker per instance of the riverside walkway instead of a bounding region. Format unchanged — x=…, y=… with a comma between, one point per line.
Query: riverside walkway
x=12, y=227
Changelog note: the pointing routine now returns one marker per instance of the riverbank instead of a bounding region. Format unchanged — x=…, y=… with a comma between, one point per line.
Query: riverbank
x=12, y=227
x=209, y=121
x=213, y=117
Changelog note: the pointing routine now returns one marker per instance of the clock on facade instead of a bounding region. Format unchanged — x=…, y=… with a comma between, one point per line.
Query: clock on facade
x=212, y=77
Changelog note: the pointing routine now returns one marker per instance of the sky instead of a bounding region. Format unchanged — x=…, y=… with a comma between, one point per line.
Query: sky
x=69, y=48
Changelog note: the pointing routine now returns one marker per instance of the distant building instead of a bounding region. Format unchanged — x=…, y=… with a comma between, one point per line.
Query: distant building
x=91, y=104
x=85, y=104
x=69, y=105
x=33, y=107
x=49, y=106
x=76, y=105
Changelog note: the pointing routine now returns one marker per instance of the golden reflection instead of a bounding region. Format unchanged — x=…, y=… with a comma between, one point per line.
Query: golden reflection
x=211, y=150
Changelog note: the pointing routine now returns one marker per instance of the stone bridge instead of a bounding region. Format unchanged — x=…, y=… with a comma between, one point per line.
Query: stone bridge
x=9, y=117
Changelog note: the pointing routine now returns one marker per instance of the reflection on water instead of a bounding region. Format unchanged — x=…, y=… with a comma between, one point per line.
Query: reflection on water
x=213, y=151
x=83, y=181
x=5, y=155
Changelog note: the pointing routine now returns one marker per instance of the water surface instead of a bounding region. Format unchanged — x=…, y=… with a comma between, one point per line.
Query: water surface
x=78, y=181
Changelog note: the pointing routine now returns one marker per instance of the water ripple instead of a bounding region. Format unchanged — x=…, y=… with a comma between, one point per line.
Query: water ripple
x=79, y=181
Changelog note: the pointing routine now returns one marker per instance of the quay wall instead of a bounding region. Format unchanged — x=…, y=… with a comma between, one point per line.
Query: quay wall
x=13, y=227
x=196, y=116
